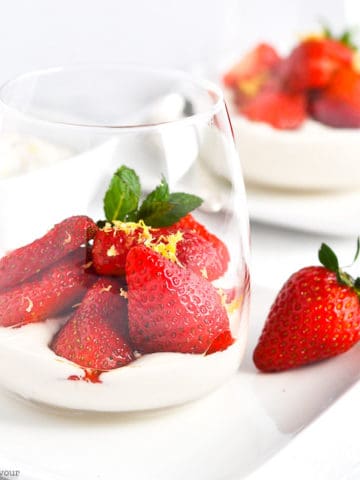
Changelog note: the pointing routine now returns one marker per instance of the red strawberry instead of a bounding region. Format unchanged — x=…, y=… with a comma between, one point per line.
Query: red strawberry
x=281, y=110
x=171, y=309
x=255, y=63
x=316, y=315
x=111, y=246
x=221, y=343
x=94, y=337
x=62, y=239
x=339, y=105
x=200, y=256
x=188, y=223
x=199, y=250
x=313, y=63
x=48, y=293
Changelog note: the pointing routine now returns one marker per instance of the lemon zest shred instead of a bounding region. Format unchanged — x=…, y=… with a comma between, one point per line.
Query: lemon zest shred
x=106, y=289
x=30, y=306
x=123, y=293
x=129, y=228
x=67, y=239
x=112, y=252
x=204, y=273
x=222, y=296
x=166, y=246
x=107, y=227
x=234, y=305
x=87, y=265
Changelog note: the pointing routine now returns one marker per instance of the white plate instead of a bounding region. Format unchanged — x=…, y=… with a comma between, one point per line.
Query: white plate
x=227, y=435
x=325, y=213
x=313, y=158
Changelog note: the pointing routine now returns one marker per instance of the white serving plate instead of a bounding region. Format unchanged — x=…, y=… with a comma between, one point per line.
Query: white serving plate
x=227, y=435
x=324, y=213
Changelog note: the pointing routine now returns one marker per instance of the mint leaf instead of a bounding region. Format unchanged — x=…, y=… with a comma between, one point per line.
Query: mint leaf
x=122, y=197
x=328, y=258
x=183, y=203
x=160, y=194
x=160, y=208
x=164, y=213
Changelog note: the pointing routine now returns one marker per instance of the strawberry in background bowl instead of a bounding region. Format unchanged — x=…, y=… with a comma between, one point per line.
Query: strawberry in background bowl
x=296, y=117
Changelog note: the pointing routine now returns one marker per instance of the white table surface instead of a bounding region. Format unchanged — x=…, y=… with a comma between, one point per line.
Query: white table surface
x=329, y=448
x=268, y=409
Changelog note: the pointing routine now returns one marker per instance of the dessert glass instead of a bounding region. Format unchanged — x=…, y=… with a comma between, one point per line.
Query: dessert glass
x=169, y=128
x=301, y=133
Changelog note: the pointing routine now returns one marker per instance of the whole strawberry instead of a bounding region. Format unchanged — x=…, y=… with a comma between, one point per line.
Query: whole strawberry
x=339, y=104
x=316, y=315
x=313, y=62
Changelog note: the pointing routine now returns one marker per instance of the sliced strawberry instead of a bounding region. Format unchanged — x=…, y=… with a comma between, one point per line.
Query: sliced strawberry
x=47, y=294
x=171, y=309
x=200, y=256
x=335, y=112
x=199, y=250
x=111, y=246
x=281, y=110
x=62, y=239
x=221, y=343
x=94, y=337
x=313, y=63
x=188, y=223
x=252, y=65
x=339, y=105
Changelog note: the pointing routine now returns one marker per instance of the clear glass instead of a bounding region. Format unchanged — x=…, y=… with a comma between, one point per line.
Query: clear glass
x=176, y=327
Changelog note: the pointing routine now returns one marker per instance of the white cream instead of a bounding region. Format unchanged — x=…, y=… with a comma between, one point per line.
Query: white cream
x=314, y=157
x=23, y=153
x=30, y=369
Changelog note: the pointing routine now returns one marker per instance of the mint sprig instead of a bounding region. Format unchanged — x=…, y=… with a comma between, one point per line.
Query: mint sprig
x=122, y=197
x=160, y=208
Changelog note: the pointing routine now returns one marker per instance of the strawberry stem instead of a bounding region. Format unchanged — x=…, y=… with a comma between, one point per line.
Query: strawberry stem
x=357, y=286
x=346, y=37
x=357, y=251
x=330, y=261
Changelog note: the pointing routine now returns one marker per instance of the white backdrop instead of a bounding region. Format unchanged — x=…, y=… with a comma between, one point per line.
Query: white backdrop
x=181, y=33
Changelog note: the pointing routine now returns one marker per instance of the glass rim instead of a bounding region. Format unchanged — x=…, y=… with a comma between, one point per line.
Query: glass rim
x=204, y=84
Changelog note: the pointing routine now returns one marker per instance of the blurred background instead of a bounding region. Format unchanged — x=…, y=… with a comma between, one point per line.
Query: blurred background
x=39, y=33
